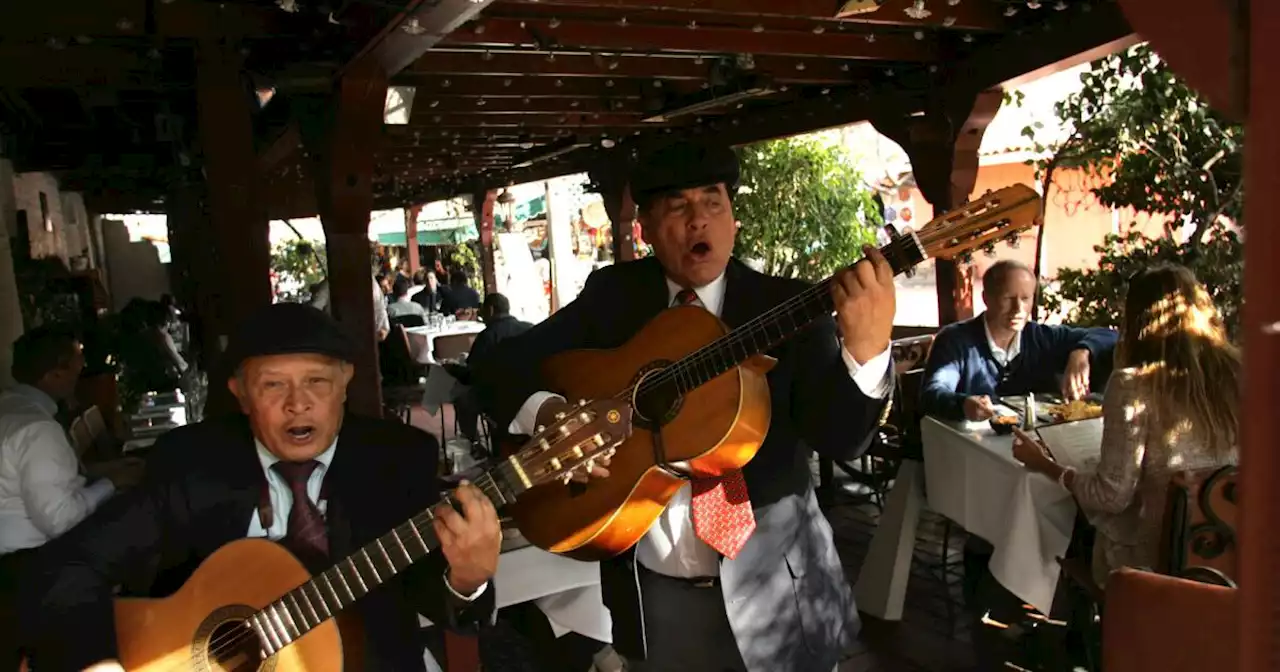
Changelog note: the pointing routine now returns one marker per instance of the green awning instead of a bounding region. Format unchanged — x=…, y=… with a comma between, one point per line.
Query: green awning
x=524, y=211
x=453, y=236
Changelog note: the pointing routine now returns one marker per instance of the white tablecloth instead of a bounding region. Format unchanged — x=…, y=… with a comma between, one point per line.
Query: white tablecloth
x=422, y=339
x=972, y=478
x=567, y=591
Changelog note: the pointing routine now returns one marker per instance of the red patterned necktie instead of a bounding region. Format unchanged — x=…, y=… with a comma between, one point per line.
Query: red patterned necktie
x=306, y=536
x=722, y=515
x=686, y=297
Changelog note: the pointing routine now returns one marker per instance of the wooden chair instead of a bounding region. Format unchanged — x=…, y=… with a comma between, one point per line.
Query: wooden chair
x=1199, y=539
x=1158, y=623
x=451, y=347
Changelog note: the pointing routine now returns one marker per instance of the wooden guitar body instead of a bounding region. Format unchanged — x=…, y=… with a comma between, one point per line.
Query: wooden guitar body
x=716, y=427
x=205, y=616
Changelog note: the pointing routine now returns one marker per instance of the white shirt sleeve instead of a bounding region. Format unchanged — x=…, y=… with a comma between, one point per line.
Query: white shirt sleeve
x=53, y=491
x=465, y=598
x=380, y=320
x=873, y=377
x=526, y=420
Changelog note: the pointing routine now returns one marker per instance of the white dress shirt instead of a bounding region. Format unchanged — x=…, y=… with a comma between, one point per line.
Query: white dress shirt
x=671, y=547
x=1002, y=356
x=42, y=493
x=282, y=502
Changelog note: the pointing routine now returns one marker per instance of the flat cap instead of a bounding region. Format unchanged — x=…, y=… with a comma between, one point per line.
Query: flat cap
x=287, y=329
x=683, y=165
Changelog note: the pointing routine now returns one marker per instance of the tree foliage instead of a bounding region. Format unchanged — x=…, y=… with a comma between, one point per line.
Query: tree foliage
x=298, y=264
x=804, y=209
x=1154, y=146
x=1094, y=296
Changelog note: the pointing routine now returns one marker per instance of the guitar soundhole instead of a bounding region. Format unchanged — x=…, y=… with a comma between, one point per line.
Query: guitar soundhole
x=656, y=401
x=224, y=644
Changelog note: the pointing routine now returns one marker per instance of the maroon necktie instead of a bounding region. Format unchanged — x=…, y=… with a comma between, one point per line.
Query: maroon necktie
x=306, y=536
x=722, y=513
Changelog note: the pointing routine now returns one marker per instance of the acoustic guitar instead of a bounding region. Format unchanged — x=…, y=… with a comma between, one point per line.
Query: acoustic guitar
x=252, y=606
x=701, y=387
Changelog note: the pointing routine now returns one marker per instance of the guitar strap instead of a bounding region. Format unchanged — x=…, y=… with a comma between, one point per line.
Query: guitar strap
x=266, y=512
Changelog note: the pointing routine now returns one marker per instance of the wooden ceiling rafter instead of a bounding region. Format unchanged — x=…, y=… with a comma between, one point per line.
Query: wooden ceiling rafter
x=549, y=34
x=967, y=15
x=519, y=61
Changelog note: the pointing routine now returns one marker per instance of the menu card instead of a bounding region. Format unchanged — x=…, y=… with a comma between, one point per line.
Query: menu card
x=1074, y=444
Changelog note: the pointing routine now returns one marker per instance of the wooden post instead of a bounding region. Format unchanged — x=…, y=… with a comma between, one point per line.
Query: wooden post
x=241, y=252
x=411, y=236
x=611, y=180
x=482, y=208
x=943, y=148
x=341, y=136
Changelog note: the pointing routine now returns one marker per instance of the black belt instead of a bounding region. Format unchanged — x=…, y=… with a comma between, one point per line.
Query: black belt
x=694, y=581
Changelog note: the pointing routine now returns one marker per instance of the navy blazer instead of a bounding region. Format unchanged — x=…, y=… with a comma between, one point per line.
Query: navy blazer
x=203, y=485
x=961, y=364
x=786, y=594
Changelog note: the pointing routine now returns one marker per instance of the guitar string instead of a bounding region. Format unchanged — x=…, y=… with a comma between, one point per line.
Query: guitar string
x=925, y=239
x=232, y=640
x=700, y=356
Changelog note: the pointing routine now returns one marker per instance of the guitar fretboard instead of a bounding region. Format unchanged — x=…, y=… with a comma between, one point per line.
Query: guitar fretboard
x=300, y=610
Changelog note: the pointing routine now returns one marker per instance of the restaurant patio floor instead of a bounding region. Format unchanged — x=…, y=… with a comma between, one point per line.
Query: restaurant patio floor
x=934, y=635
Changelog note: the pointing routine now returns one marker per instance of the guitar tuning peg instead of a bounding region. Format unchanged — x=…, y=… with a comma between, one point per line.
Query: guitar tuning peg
x=559, y=416
x=540, y=428
x=582, y=402
x=599, y=440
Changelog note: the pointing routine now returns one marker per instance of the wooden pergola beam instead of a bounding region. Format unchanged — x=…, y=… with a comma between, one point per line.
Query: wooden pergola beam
x=531, y=86
x=550, y=34
x=965, y=15
x=517, y=62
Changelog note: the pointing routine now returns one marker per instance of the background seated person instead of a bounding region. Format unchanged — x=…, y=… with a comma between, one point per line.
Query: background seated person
x=1173, y=405
x=458, y=295
x=500, y=325
x=1002, y=353
x=400, y=304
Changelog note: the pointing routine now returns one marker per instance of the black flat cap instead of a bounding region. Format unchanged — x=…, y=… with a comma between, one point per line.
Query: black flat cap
x=683, y=165
x=287, y=329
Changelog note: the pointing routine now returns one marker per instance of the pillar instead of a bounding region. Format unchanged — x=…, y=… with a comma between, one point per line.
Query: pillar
x=411, y=237
x=341, y=134
x=482, y=208
x=611, y=181
x=943, y=148
x=241, y=237
x=10, y=309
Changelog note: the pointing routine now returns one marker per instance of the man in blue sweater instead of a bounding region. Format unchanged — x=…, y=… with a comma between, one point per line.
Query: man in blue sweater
x=1002, y=353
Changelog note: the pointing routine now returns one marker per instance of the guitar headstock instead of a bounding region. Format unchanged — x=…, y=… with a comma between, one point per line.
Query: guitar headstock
x=981, y=223
x=581, y=435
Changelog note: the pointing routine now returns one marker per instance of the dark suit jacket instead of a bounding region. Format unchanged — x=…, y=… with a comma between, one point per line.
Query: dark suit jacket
x=496, y=330
x=203, y=485
x=786, y=595
x=456, y=297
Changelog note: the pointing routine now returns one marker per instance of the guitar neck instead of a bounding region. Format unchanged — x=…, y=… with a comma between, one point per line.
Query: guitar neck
x=773, y=327
x=300, y=610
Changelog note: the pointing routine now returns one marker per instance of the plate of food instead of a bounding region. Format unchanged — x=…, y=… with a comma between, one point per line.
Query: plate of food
x=1004, y=424
x=1080, y=409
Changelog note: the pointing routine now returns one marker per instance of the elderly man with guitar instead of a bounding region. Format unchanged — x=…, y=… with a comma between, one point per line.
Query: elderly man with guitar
x=293, y=469
x=739, y=571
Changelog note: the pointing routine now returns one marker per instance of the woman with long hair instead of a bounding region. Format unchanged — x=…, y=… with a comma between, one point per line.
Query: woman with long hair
x=1172, y=405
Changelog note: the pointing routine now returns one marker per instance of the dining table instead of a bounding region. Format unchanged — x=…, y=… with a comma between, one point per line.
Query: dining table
x=969, y=476
x=422, y=339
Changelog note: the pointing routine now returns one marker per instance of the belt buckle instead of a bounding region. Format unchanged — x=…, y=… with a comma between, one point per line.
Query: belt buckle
x=708, y=582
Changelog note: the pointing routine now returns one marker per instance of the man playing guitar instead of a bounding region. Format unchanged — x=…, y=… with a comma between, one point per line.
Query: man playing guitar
x=718, y=583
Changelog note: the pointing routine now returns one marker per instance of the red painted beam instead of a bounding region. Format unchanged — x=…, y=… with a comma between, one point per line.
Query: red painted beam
x=415, y=30
x=968, y=15
x=702, y=39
